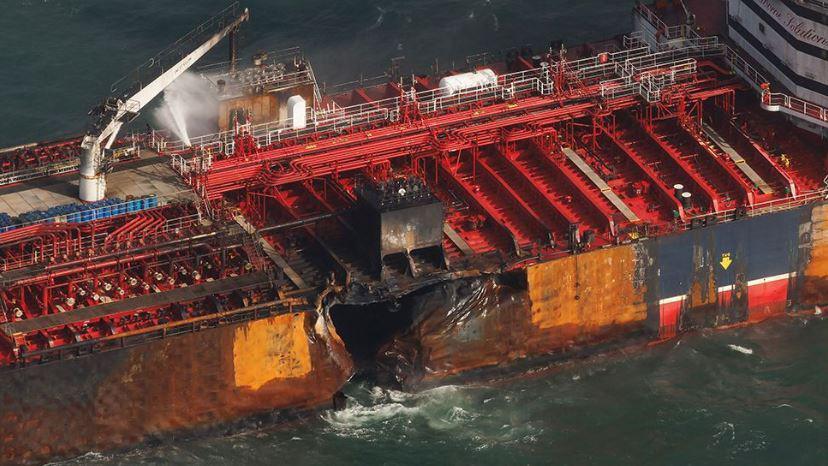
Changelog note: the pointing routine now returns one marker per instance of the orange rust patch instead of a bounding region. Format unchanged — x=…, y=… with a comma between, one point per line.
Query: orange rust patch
x=590, y=291
x=270, y=349
x=117, y=398
x=703, y=290
x=815, y=286
x=584, y=299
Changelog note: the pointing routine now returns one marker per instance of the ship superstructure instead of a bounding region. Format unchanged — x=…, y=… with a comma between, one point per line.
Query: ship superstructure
x=636, y=186
x=788, y=38
x=779, y=46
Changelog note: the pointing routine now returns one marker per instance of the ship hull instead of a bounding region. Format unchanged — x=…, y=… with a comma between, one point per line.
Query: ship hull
x=727, y=274
x=722, y=275
x=206, y=378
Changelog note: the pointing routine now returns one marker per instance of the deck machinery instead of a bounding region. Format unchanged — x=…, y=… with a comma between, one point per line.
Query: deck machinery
x=383, y=190
x=561, y=154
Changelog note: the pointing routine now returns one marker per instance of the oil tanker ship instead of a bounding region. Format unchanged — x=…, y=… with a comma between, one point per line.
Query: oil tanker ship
x=530, y=203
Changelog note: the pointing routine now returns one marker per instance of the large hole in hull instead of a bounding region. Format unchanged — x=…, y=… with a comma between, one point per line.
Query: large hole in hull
x=380, y=339
x=366, y=328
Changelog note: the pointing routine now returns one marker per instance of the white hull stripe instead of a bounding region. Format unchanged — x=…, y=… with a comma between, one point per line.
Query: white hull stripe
x=722, y=289
x=672, y=300
x=762, y=281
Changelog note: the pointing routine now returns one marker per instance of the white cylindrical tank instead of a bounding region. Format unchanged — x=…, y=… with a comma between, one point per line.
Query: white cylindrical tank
x=296, y=112
x=451, y=85
x=92, y=185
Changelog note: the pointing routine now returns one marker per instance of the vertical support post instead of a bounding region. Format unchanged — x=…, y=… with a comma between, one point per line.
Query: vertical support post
x=45, y=297
x=475, y=153
x=231, y=40
x=595, y=132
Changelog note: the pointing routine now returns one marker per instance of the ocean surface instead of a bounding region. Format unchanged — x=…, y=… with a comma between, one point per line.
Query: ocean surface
x=756, y=395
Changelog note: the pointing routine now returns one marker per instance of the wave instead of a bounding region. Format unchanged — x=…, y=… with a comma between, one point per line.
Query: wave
x=86, y=458
x=740, y=349
x=374, y=410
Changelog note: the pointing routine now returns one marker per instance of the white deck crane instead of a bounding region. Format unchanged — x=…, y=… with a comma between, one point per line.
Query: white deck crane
x=118, y=110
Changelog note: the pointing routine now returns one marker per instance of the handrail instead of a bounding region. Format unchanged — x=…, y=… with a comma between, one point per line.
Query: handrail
x=796, y=105
x=771, y=101
x=41, y=171
x=509, y=86
x=57, y=168
x=389, y=109
x=762, y=208
x=278, y=55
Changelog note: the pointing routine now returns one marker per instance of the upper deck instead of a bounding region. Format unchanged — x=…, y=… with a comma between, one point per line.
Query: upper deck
x=144, y=174
x=562, y=153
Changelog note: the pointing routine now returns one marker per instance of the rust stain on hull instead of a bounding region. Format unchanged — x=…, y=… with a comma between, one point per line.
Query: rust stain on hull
x=814, y=283
x=590, y=291
x=270, y=349
x=585, y=299
x=656, y=288
x=201, y=379
x=298, y=361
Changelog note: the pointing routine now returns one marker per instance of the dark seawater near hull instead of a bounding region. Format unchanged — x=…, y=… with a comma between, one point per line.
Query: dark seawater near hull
x=693, y=400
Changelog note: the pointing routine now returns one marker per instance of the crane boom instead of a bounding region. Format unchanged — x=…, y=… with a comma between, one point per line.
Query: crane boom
x=119, y=110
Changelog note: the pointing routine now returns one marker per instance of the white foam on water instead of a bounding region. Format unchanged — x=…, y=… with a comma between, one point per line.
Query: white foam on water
x=725, y=431
x=356, y=415
x=85, y=458
x=439, y=408
x=740, y=349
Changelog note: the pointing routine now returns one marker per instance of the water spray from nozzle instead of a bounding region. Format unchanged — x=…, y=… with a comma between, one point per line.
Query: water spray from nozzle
x=189, y=108
x=175, y=106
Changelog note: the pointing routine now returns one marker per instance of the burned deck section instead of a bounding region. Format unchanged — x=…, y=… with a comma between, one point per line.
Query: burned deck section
x=402, y=223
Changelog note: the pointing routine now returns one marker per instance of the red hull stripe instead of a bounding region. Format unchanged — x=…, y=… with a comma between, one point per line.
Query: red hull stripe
x=768, y=292
x=766, y=295
x=669, y=311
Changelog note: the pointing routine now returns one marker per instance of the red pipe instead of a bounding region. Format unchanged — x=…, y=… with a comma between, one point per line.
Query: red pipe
x=116, y=235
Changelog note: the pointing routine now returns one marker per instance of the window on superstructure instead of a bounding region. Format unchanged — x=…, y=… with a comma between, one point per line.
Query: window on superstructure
x=762, y=28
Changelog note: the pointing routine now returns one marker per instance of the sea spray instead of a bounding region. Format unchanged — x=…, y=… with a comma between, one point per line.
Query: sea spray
x=189, y=108
x=439, y=408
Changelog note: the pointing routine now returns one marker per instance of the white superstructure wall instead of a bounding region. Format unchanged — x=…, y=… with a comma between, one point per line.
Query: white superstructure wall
x=788, y=39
